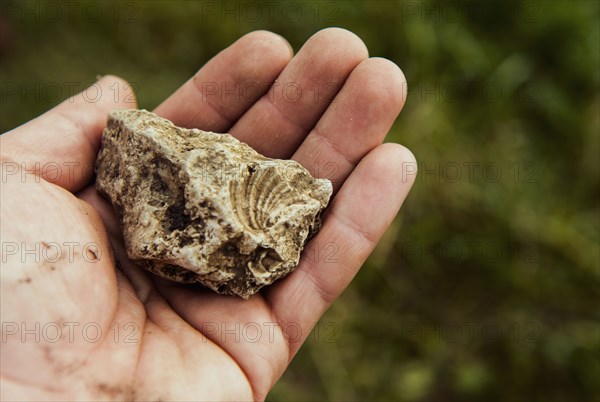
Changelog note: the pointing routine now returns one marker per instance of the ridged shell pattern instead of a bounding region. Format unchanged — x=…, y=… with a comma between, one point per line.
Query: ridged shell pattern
x=259, y=196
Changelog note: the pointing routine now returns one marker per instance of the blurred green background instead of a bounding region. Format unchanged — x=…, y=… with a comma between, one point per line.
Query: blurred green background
x=486, y=287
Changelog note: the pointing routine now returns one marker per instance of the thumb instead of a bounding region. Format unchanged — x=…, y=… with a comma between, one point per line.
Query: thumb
x=61, y=145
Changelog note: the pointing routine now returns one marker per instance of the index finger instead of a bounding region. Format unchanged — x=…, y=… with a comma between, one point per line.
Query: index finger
x=229, y=84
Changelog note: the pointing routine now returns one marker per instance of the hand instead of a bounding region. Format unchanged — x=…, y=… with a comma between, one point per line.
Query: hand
x=80, y=321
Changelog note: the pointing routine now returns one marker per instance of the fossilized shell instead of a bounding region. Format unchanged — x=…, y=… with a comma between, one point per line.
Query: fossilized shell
x=197, y=206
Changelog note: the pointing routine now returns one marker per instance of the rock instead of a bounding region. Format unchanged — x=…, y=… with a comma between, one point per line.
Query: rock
x=203, y=207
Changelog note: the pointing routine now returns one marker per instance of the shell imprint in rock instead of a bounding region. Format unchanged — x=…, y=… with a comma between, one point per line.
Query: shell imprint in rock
x=197, y=206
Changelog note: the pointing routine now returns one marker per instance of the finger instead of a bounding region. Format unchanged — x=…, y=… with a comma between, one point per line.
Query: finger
x=217, y=95
x=357, y=218
x=280, y=120
x=61, y=145
x=364, y=111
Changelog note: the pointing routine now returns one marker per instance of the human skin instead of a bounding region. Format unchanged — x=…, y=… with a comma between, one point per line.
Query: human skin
x=155, y=343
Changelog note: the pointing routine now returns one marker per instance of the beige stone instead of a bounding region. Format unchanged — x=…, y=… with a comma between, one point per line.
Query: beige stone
x=203, y=207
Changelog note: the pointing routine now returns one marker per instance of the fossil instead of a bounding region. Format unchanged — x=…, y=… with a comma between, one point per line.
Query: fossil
x=203, y=207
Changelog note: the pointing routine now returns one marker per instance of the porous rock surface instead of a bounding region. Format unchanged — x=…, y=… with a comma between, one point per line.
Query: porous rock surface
x=203, y=207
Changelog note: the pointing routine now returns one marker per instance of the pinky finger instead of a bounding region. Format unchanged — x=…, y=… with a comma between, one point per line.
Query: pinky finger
x=359, y=215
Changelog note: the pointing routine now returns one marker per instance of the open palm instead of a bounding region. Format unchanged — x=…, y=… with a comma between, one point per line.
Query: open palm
x=80, y=321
